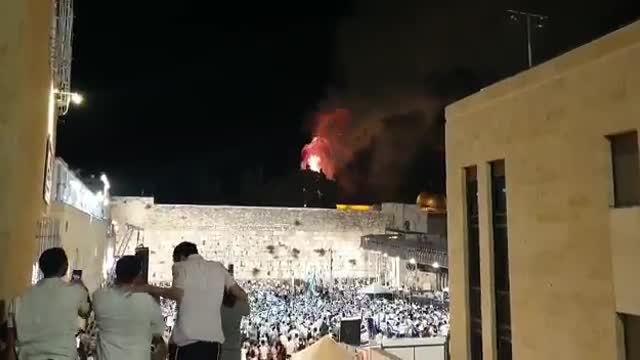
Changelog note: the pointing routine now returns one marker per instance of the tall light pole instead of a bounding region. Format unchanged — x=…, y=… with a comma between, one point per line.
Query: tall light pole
x=331, y=267
x=530, y=19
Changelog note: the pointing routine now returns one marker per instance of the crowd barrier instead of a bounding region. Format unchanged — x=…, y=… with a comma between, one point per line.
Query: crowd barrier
x=417, y=348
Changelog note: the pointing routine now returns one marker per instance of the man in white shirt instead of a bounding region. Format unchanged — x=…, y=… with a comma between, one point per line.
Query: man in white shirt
x=198, y=287
x=290, y=345
x=43, y=322
x=127, y=323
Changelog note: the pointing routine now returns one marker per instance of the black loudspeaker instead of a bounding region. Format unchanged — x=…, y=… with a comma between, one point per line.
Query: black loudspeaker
x=350, y=331
x=143, y=254
x=230, y=269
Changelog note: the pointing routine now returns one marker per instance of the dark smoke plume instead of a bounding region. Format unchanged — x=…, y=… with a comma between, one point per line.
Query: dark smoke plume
x=392, y=148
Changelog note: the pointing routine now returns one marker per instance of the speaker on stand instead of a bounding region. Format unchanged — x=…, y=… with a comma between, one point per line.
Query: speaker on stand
x=350, y=331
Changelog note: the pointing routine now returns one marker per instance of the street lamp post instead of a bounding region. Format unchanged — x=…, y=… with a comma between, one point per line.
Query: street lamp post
x=414, y=266
x=331, y=267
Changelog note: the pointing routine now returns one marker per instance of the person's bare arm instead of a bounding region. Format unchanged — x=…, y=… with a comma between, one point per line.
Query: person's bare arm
x=172, y=293
x=239, y=293
x=232, y=286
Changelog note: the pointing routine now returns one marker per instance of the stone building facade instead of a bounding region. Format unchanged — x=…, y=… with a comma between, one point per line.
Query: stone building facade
x=260, y=242
x=543, y=206
x=27, y=134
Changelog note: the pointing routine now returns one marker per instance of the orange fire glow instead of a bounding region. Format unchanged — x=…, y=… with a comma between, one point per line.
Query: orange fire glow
x=314, y=163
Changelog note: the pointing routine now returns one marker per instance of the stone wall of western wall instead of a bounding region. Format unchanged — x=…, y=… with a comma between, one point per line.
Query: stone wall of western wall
x=260, y=242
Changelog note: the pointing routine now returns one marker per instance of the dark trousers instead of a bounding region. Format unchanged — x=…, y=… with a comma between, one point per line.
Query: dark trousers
x=200, y=350
x=173, y=348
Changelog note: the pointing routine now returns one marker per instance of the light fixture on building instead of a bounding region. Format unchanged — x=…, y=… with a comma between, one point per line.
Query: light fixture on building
x=77, y=98
x=64, y=98
x=435, y=265
x=412, y=261
x=385, y=254
x=105, y=181
x=105, y=189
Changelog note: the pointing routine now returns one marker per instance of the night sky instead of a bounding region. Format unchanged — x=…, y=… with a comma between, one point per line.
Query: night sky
x=199, y=102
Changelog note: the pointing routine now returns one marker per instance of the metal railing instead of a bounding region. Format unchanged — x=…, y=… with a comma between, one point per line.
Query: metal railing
x=47, y=237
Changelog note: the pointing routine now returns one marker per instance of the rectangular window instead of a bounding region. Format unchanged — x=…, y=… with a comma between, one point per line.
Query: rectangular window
x=501, y=259
x=631, y=325
x=626, y=169
x=473, y=251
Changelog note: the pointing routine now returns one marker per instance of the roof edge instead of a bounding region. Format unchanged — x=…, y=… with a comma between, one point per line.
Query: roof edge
x=623, y=38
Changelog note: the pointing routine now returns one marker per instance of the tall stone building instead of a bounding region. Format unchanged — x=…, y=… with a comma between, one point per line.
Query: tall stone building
x=35, y=55
x=543, y=200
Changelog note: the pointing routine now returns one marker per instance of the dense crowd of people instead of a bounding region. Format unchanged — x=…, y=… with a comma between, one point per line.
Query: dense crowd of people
x=286, y=318
x=289, y=318
x=219, y=317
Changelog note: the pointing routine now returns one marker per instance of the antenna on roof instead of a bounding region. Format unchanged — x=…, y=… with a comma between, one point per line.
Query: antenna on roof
x=531, y=20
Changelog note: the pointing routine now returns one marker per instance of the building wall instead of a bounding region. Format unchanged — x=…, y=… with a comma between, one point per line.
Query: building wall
x=25, y=118
x=254, y=238
x=418, y=220
x=399, y=274
x=85, y=240
x=405, y=213
x=71, y=190
x=549, y=125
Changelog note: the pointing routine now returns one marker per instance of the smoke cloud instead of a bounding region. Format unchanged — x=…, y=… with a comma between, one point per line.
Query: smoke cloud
x=370, y=149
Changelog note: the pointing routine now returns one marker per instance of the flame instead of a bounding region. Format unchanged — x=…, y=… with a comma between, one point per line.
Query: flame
x=314, y=163
x=316, y=157
x=329, y=148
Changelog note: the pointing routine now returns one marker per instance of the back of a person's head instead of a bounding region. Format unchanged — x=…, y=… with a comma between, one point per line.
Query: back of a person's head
x=128, y=269
x=184, y=250
x=53, y=262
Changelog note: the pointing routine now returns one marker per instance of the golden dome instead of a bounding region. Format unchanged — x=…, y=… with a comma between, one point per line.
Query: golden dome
x=432, y=202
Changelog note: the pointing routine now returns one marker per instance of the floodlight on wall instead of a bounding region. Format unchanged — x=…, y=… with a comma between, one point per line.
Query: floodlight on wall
x=64, y=98
x=77, y=98
x=412, y=261
x=106, y=183
x=435, y=265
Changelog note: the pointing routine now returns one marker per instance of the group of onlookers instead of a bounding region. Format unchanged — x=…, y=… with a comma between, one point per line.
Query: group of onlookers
x=43, y=322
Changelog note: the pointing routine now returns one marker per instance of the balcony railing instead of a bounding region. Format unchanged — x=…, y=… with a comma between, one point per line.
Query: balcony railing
x=422, y=250
x=61, y=54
